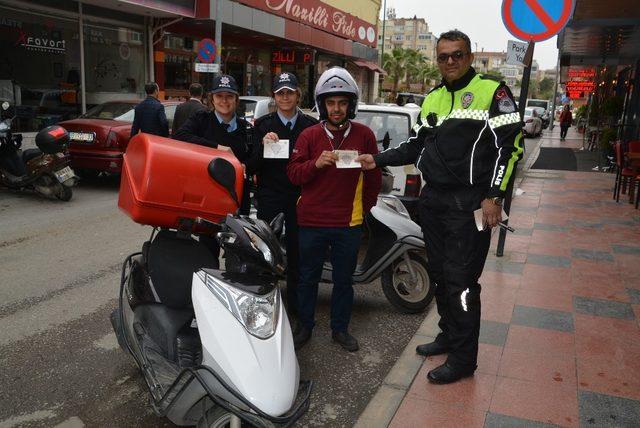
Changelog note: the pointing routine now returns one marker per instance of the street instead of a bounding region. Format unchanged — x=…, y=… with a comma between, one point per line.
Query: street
x=61, y=362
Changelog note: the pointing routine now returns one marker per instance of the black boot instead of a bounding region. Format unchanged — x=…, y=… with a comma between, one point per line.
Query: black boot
x=345, y=340
x=301, y=336
x=433, y=348
x=449, y=374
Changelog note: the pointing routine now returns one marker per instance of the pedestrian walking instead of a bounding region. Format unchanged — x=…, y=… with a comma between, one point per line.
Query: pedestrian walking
x=274, y=139
x=335, y=197
x=566, y=119
x=149, y=116
x=467, y=149
x=185, y=110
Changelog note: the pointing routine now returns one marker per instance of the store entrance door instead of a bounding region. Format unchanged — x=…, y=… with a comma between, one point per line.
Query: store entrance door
x=236, y=70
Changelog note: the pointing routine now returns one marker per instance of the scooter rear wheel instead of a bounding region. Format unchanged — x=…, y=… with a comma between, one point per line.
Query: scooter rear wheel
x=217, y=417
x=64, y=193
x=405, y=295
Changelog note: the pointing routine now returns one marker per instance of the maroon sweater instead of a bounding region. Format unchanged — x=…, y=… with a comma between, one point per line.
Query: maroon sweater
x=333, y=197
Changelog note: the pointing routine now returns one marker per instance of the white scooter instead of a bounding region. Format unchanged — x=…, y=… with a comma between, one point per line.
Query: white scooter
x=215, y=347
x=396, y=252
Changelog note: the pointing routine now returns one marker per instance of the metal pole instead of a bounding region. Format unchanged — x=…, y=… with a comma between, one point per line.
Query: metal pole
x=524, y=89
x=83, y=92
x=219, y=34
x=384, y=20
x=150, y=56
x=555, y=94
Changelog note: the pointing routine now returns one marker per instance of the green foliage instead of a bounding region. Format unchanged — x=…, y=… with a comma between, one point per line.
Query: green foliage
x=612, y=107
x=581, y=112
x=408, y=66
x=606, y=137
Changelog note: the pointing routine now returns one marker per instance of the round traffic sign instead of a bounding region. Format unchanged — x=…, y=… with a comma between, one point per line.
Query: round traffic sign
x=536, y=20
x=207, y=51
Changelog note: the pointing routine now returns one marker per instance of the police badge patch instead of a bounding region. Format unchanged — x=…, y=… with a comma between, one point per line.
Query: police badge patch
x=467, y=99
x=505, y=104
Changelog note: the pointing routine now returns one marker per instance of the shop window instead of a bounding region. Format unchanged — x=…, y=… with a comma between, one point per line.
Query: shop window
x=114, y=60
x=39, y=68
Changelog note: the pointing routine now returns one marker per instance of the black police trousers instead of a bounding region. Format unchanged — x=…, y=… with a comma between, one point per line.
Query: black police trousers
x=271, y=204
x=457, y=252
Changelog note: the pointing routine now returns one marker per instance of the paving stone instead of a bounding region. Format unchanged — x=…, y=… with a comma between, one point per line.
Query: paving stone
x=601, y=410
x=625, y=249
x=550, y=227
x=542, y=318
x=602, y=308
x=496, y=420
x=523, y=231
x=504, y=266
x=634, y=296
x=493, y=332
x=601, y=256
x=551, y=261
x=586, y=224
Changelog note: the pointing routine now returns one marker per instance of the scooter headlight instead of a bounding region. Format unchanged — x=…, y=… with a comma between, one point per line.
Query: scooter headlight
x=396, y=205
x=258, y=314
x=260, y=245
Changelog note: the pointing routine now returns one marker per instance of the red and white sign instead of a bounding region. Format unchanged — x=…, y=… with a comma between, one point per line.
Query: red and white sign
x=579, y=89
x=321, y=16
x=585, y=73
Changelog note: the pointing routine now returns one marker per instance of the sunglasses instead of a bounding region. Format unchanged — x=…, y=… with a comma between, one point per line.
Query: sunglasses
x=456, y=56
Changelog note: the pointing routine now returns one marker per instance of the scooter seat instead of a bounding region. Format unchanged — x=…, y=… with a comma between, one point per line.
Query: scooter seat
x=29, y=154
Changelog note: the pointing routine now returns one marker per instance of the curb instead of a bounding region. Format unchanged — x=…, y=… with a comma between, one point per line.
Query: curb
x=385, y=403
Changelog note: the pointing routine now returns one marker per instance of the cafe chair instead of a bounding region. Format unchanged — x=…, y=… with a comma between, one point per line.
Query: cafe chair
x=624, y=176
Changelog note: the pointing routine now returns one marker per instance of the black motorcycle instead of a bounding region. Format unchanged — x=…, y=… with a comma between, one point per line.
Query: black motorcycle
x=44, y=170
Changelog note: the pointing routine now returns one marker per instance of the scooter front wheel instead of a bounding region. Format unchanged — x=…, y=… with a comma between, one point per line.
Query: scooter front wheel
x=217, y=417
x=408, y=294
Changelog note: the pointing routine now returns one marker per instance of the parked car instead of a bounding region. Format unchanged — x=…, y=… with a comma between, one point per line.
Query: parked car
x=393, y=125
x=532, y=123
x=99, y=138
x=251, y=107
x=409, y=98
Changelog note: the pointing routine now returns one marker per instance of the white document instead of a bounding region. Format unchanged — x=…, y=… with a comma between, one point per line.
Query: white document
x=276, y=149
x=347, y=159
x=477, y=215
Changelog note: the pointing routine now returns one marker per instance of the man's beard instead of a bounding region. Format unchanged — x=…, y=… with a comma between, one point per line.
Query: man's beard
x=340, y=124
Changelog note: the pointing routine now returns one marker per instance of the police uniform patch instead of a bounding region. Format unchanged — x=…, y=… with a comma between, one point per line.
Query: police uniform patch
x=467, y=99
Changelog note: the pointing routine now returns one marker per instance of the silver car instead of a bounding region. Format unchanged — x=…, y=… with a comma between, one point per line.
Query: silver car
x=252, y=107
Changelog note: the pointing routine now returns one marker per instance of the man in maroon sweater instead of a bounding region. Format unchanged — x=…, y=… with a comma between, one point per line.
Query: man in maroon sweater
x=335, y=197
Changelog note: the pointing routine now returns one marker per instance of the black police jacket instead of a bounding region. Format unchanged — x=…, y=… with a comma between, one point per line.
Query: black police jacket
x=272, y=173
x=203, y=128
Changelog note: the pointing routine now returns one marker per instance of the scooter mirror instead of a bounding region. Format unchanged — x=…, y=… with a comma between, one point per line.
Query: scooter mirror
x=223, y=173
x=276, y=224
x=5, y=105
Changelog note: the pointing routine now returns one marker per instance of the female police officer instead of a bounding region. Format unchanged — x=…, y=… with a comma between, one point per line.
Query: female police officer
x=276, y=194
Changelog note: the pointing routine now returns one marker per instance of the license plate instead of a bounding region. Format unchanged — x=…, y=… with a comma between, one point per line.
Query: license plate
x=83, y=137
x=64, y=174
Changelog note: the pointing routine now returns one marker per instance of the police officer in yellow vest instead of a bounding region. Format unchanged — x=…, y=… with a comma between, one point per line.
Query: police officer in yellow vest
x=466, y=148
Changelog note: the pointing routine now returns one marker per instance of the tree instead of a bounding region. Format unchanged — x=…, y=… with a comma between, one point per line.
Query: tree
x=395, y=65
x=546, y=87
x=496, y=73
x=424, y=72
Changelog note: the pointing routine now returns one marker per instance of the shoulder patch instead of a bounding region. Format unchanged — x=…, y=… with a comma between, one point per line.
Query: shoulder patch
x=505, y=103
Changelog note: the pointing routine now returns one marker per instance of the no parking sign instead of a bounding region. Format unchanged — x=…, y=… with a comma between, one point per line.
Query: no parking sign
x=536, y=20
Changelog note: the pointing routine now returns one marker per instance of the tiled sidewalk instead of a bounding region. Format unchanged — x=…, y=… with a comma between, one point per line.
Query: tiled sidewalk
x=560, y=335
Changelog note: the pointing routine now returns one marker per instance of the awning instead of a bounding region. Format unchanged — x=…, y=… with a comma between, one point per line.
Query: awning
x=371, y=66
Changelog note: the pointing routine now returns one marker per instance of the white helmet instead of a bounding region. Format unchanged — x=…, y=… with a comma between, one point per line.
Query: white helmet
x=337, y=81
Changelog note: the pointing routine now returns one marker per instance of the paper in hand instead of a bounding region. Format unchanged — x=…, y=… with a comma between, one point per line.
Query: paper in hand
x=477, y=215
x=347, y=159
x=276, y=149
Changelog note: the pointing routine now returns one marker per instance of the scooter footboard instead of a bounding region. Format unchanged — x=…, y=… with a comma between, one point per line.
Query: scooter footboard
x=197, y=382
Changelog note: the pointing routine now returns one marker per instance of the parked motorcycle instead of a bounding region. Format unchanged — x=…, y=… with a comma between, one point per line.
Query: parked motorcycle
x=44, y=170
x=396, y=253
x=215, y=346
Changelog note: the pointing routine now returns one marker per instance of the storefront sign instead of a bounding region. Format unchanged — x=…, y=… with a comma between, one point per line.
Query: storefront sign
x=292, y=56
x=579, y=89
x=41, y=44
x=179, y=7
x=585, y=73
x=320, y=15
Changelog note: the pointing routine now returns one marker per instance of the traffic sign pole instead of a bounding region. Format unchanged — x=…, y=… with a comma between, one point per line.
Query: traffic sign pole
x=524, y=90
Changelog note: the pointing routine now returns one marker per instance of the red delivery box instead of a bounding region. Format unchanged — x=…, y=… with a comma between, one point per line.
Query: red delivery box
x=164, y=181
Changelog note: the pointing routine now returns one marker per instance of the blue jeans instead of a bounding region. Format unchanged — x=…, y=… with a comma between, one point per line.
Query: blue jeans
x=344, y=243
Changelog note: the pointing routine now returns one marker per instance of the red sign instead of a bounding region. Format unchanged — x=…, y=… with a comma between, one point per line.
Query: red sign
x=579, y=89
x=292, y=56
x=536, y=20
x=207, y=51
x=588, y=73
x=322, y=16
